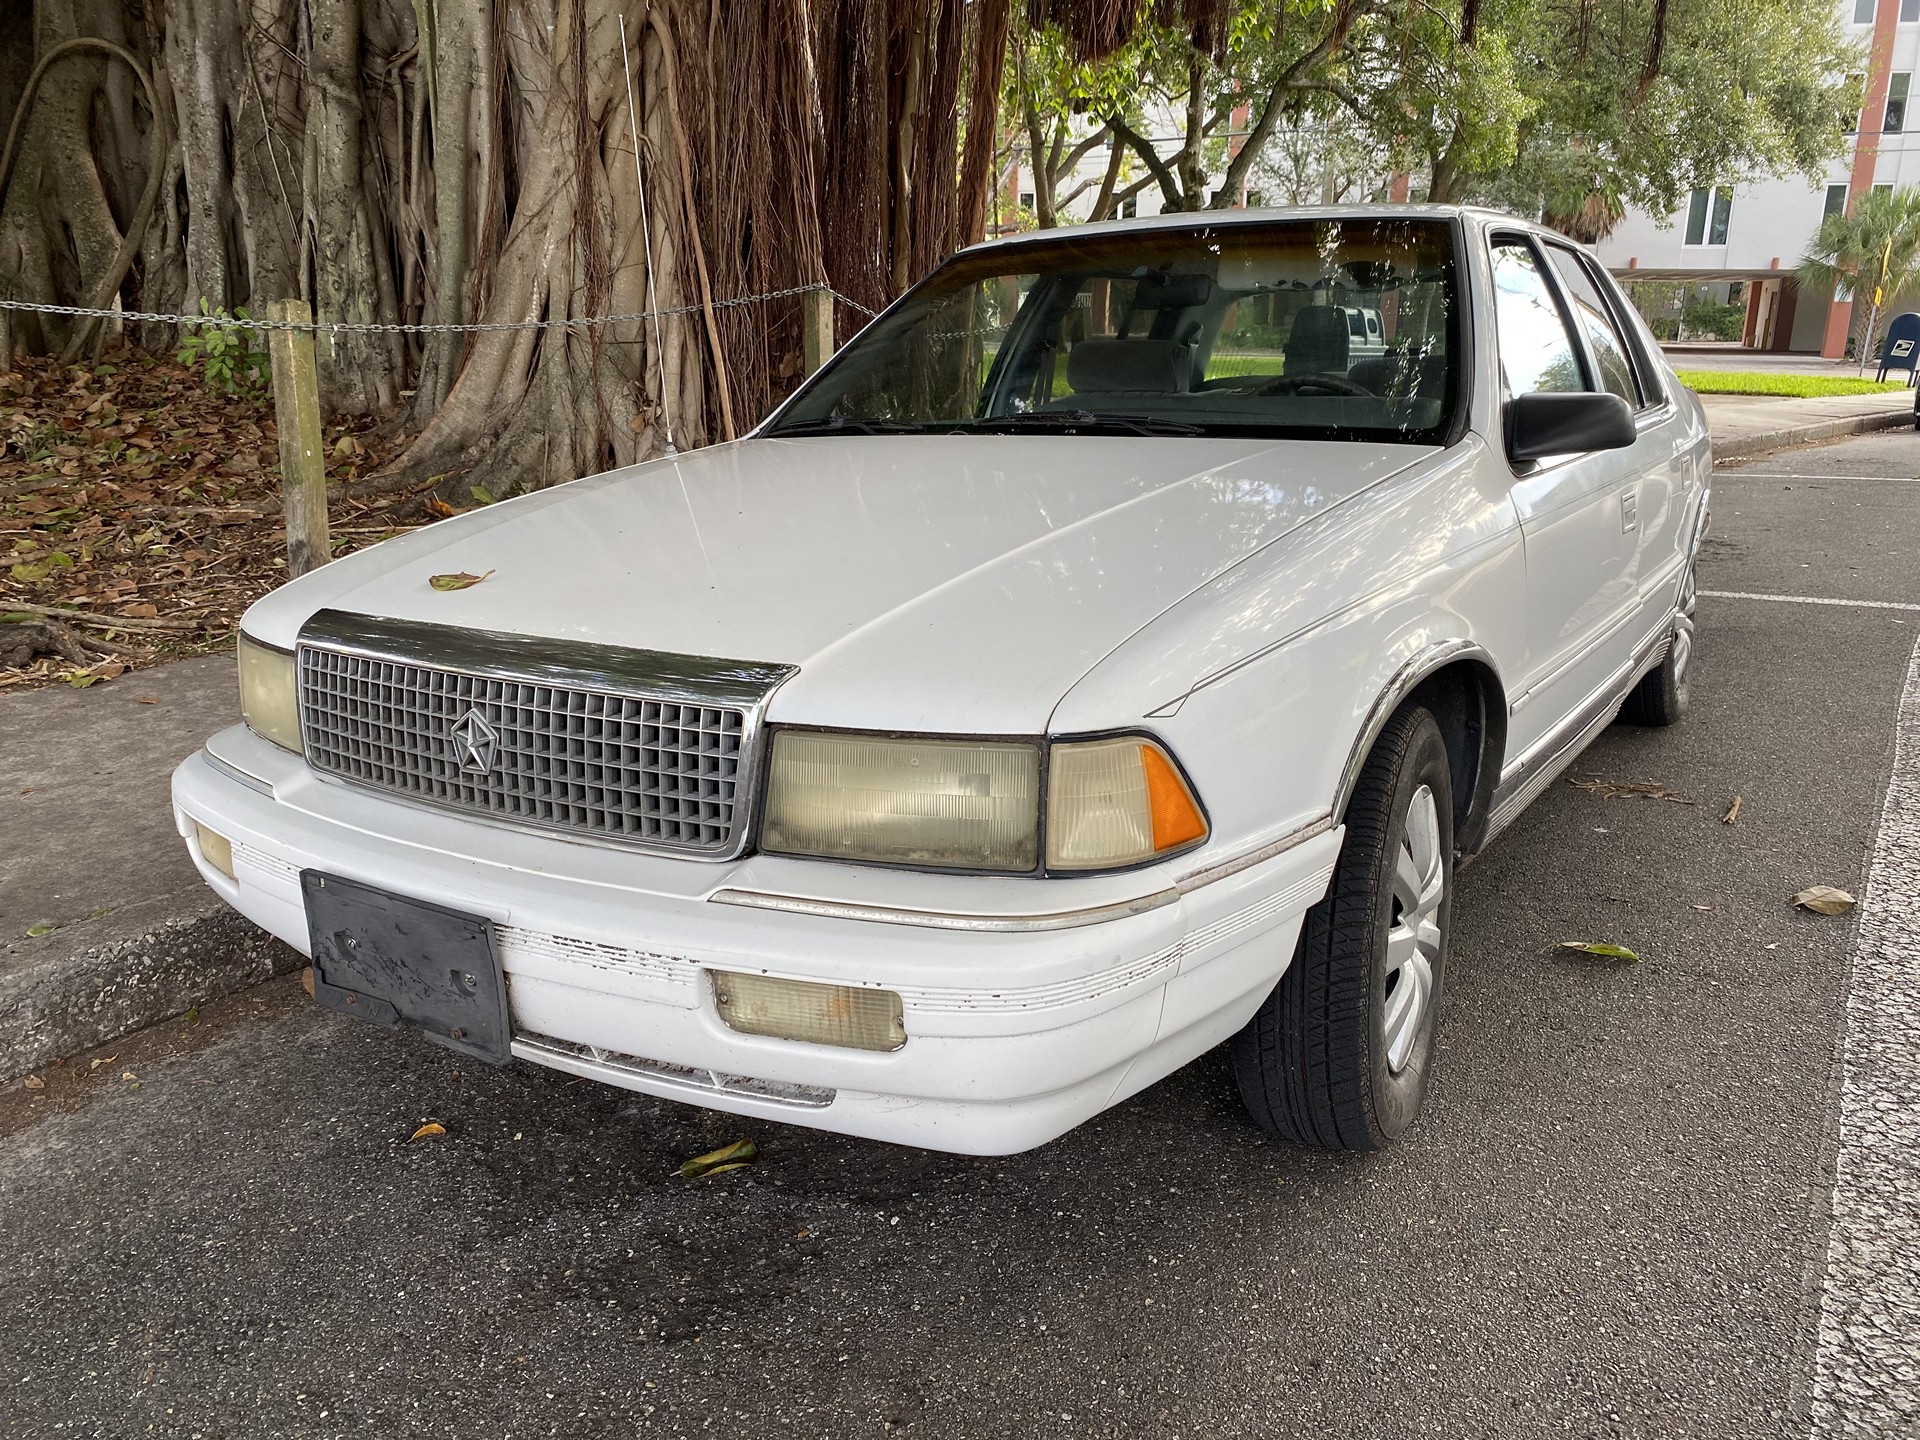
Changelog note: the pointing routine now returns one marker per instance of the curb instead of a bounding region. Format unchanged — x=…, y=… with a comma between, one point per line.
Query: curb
x=1748, y=445
x=64, y=1002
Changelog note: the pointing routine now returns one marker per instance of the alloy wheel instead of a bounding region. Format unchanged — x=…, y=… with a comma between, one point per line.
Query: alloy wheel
x=1413, y=940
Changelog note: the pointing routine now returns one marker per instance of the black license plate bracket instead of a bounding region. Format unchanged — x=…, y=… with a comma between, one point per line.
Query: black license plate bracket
x=394, y=960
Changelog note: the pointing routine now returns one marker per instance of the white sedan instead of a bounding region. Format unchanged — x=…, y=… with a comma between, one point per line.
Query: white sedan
x=1098, y=661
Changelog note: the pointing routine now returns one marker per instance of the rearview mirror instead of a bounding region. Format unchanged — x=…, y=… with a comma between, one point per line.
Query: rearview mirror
x=1565, y=424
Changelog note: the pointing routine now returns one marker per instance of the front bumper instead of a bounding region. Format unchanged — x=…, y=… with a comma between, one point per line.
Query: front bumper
x=1013, y=1038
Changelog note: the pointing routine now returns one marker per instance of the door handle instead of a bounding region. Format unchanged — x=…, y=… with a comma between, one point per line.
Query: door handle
x=1629, y=510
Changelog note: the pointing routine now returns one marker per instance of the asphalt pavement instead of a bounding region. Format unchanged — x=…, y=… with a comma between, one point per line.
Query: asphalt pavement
x=1612, y=1221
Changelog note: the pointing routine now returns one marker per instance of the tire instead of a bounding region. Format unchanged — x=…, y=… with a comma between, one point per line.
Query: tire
x=1332, y=1059
x=1660, y=699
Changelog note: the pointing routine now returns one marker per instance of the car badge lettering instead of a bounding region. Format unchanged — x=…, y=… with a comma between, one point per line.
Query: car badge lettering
x=474, y=743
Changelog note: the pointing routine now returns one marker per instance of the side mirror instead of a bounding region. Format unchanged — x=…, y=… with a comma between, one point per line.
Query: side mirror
x=1565, y=424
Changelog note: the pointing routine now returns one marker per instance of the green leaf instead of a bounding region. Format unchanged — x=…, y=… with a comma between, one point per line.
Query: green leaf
x=44, y=927
x=737, y=1156
x=1599, y=947
x=485, y=497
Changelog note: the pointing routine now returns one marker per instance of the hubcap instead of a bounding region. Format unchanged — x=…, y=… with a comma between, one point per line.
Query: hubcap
x=1683, y=632
x=1413, y=941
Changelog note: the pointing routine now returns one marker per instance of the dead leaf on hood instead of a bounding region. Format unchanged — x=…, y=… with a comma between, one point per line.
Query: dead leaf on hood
x=460, y=580
x=1824, y=900
x=428, y=1131
x=737, y=1156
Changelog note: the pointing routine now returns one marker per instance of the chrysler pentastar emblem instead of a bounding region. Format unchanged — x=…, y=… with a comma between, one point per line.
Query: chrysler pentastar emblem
x=474, y=742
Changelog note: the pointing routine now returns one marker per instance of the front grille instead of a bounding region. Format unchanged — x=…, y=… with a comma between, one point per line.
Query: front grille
x=585, y=761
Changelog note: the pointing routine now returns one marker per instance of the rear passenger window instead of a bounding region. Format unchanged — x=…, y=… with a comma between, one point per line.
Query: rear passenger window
x=1536, y=351
x=1603, y=335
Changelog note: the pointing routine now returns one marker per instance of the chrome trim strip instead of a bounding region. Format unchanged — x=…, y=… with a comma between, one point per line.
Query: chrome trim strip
x=1027, y=924
x=569, y=664
x=1220, y=870
x=237, y=775
x=944, y=919
x=1403, y=684
x=659, y=675
x=1550, y=755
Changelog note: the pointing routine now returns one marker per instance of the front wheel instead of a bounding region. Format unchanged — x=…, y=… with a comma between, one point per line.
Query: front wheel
x=1339, y=1054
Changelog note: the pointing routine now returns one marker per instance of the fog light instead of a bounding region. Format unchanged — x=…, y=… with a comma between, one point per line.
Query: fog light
x=215, y=849
x=800, y=1010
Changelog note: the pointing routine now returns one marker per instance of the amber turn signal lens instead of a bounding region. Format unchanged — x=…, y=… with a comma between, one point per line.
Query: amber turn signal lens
x=1176, y=819
x=215, y=849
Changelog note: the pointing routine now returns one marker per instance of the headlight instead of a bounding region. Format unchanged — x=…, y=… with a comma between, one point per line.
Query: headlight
x=1116, y=802
x=974, y=805
x=958, y=804
x=268, y=697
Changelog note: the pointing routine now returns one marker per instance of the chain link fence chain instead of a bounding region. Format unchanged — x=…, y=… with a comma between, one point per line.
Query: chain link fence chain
x=229, y=322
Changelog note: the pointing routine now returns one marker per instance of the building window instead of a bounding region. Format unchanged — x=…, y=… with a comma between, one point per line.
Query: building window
x=1836, y=201
x=1909, y=11
x=1130, y=207
x=1883, y=189
x=1708, y=212
x=1897, y=88
x=1850, y=120
x=1026, y=199
x=1863, y=12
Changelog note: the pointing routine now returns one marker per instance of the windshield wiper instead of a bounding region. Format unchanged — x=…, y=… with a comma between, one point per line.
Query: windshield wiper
x=1074, y=421
x=852, y=425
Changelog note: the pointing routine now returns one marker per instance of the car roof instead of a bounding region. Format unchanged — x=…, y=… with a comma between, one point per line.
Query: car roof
x=1478, y=215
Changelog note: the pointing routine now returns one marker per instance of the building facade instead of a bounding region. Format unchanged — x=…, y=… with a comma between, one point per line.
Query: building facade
x=1738, y=245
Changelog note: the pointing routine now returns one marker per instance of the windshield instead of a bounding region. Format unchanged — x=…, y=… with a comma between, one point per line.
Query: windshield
x=1321, y=329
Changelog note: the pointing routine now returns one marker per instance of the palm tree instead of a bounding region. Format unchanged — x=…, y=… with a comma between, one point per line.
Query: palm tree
x=1874, y=245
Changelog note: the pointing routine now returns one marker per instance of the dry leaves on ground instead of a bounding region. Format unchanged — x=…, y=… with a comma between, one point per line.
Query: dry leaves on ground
x=1621, y=789
x=737, y=1156
x=140, y=513
x=1824, y=900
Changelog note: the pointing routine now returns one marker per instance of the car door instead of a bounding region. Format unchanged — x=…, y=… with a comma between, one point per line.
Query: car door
x=1660, y=501
x=1577, y=519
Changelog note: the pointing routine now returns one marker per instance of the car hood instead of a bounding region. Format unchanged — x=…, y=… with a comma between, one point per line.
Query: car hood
x=948, y=583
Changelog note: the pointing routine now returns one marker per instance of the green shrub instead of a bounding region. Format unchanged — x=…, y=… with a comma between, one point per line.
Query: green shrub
x=228, y=354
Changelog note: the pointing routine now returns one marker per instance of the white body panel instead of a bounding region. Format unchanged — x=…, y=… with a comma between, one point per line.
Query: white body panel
x=1252, y=604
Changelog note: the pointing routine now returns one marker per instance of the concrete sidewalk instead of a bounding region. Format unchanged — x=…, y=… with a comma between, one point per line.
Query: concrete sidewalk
x=1745, y=425
x=87, y=844
x=89, y=858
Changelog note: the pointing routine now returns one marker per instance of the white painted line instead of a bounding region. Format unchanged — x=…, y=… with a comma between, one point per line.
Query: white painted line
x=1732, y=474
x=1864, y=1373
x=1809, y=600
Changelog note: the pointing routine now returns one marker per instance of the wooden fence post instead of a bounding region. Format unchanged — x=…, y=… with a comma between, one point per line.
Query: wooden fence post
x=303, y=467
x=816, y=329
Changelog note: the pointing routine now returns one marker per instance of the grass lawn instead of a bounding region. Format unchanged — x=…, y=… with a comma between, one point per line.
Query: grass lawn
x=1798, y=387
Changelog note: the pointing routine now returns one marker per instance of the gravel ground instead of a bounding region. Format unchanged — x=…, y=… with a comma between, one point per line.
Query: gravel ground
x=1613, y=1220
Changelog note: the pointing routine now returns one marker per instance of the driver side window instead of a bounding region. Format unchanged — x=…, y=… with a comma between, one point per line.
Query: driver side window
x=1537, y=352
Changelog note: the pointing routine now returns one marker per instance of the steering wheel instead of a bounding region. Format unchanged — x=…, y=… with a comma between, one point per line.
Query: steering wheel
x=1332, y=384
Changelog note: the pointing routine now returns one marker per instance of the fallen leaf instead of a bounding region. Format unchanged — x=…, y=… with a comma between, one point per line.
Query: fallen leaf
x=306, y=981
x=34, y=1082
x=1599, y=947
x=103, y=1060
x=193, y=1017
x=460, y=580
x=44, y=927
x=438, y=508
x=1824, y=900
x=737, y=1156
x=1733, y=812
x=1618, y=789
x=428, y=1131
x=146, y=699
x=128, y=1075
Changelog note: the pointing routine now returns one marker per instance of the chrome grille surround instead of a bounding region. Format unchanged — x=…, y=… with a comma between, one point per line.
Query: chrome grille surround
x=635, y=748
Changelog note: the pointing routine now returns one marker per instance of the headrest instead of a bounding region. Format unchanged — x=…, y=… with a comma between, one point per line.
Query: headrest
x=1318, y=322
x=1154, y=365
x=1172, y=292
x=1318, y=340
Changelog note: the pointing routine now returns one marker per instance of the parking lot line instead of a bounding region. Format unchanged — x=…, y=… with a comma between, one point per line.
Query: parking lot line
x=1870, y=1301
x=1790, y=475
x=1808, y=600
